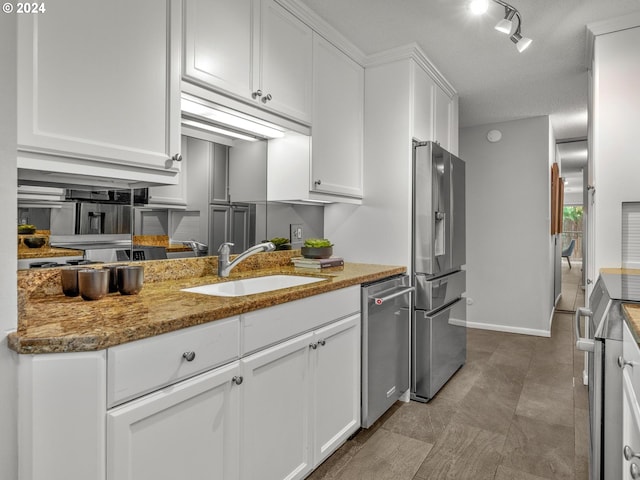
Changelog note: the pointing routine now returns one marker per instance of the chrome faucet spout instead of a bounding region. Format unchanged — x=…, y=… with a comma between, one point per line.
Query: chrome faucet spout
x=225, y=266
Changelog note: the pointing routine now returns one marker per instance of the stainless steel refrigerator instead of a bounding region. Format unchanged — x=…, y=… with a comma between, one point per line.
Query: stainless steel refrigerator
x=438, y=330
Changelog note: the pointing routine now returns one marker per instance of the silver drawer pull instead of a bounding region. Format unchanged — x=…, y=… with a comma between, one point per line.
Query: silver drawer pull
x=189, y=356
x=381, y=300
x=634, y=470
x=313, y=345
x=629, y=454
x=237, y=380
x=322, y=343
x=623, y=363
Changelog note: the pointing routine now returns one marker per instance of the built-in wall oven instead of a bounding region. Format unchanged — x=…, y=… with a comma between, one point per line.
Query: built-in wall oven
x=603, y=344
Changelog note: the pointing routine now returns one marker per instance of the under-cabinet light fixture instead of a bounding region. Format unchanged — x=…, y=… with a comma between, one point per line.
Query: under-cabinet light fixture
x=506, y=24
x=219, y=119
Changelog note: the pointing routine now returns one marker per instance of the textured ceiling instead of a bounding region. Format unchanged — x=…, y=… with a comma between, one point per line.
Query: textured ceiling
x=494, y=81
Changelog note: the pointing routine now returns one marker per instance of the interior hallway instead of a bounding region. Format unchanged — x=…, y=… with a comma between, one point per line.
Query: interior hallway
x=516, y=410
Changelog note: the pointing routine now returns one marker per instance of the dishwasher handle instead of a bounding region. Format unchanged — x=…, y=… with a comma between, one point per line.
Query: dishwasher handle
x=582, y=343
x=397, y=293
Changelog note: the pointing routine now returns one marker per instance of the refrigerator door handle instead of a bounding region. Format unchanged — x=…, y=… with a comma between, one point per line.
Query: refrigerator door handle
x=584, y=344
x=398, y=293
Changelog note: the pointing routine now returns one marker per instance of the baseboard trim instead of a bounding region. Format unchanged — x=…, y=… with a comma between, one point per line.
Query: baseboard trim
x=510, y=329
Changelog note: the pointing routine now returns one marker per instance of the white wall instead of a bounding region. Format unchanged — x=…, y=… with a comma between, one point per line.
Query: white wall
x=616, y=150
x=509, y=245
x=8, y=252
x=379, y=231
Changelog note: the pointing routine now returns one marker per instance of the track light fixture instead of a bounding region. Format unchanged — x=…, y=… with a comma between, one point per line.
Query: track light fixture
x=506, y=24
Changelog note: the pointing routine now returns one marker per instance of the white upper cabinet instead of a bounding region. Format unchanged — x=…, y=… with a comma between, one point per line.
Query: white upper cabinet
x=423, y=87
x=434, y=112
x=99, y=84
x=338, y=125
x=218, y=46
x=255, y=50
x=442, y=105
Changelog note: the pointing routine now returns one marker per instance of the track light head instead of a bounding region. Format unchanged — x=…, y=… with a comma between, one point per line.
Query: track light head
x=505, y=25
x=522, y=43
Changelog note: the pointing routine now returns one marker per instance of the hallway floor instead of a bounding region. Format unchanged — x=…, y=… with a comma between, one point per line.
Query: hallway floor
x=516, y=410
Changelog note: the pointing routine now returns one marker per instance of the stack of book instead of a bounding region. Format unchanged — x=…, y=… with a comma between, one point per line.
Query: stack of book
x=303, y=262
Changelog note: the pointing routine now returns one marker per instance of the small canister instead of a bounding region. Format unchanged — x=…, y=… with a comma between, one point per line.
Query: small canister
x=130, y=279
x=93, y=283
x=69, y=279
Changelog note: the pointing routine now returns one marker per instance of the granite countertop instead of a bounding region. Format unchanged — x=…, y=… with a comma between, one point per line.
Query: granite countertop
x=632, y=315
x=26, y=253
x=46, y=251
x=49, y=322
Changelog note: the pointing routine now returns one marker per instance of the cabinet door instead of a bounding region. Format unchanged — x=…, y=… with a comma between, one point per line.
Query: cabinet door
x=218, y=49
x=630, y=426
x=442, y=117
x=240, y=227
x=336, y=391
x=285, y=62
x=189, y=430
x=100, y=85
x=423, y=87
x=276, y=407
x=338, y=107
x=173, y=195
x=219, y=174
x=219, y=223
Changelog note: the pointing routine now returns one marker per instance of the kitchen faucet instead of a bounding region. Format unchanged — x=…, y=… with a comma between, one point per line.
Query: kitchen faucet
x=225, y=266
x=200, y=249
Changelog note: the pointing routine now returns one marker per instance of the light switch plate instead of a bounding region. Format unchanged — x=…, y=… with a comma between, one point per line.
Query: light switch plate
x=296, y=232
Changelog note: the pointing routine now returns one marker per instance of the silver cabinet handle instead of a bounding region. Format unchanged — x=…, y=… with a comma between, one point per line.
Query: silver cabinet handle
x=584, y=344
x=256, y=94
x=629, y=454
x=322, y=343
x=266, y=98
x=189, y=356
x=237, y=380
x=623, y=363
x=381, y=300
x=317, y=182
x=634, y=470
x=177, y=157
x=313, y=345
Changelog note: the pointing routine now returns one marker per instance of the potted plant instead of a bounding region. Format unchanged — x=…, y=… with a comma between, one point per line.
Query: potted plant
x=281, y=243
x=317, y=248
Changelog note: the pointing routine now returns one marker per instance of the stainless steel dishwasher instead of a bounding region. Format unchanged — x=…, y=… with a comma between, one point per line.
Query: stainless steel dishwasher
x=386, y=320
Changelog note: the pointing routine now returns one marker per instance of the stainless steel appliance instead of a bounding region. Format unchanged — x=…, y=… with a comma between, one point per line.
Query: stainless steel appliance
x=438, y=331
x=603, y=344
x=102, y=218
x=385, y=345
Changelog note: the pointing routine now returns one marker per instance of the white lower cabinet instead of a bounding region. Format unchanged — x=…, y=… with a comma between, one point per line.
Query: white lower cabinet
x=630, y=455
x=267, y=395
x=336, y=387
x=189, y=430
x=300, y=401
x=276, y=403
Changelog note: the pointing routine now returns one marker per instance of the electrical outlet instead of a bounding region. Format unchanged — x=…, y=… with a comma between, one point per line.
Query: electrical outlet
x=295, y=232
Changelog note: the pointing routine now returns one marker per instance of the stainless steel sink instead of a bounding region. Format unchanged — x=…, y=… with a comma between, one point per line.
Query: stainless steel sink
x=250, y=286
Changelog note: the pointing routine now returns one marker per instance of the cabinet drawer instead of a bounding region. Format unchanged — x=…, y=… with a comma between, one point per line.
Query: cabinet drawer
x=136, y=368
x=274, y=324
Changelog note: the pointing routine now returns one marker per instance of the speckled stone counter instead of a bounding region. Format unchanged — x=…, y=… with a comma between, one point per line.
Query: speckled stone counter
x=160, y=241
x=632, y=316
x=49, y=322
x=46, y=251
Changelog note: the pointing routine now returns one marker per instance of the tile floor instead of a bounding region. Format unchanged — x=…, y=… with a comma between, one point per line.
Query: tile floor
x=516, y=410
